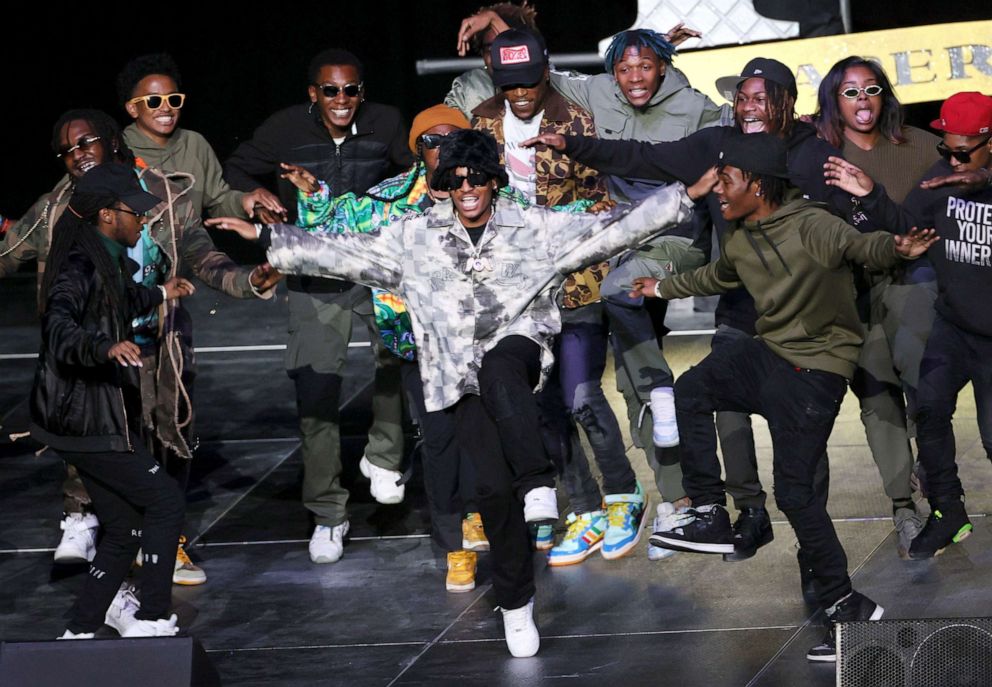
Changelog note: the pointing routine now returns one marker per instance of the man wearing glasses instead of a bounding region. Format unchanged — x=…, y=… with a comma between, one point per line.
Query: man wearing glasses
x=148, y=88
x=349, y=144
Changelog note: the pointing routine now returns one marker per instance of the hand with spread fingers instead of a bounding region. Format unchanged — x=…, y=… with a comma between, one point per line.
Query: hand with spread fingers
x=262, y=199
x=554, y=141
x=245, y=230
x=915, y=243
x=972, y=179
x=299, y=177
x=847, y=177
x=680, y=33
x=126, y=353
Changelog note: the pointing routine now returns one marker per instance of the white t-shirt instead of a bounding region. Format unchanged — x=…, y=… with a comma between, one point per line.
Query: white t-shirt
x=520, y=161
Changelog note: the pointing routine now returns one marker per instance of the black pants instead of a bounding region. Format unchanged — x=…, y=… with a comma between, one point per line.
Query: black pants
x=449, y=475
x=952, y=358
x=138, y=504
x=500, y=431
x=800, y=406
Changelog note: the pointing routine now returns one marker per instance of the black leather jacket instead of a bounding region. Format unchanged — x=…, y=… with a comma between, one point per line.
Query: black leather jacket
x=81, y=400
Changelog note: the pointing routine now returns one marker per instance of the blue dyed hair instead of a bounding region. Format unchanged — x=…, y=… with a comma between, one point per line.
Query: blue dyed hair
x=641, y=38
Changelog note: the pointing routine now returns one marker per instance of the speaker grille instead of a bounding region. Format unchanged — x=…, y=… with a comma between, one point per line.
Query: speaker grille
x=944, y=652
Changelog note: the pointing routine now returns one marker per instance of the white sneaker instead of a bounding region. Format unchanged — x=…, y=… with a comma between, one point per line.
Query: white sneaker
x=78, y=543
x=541, y=505
x=522, y=638
x=666, y=429
x=76, y=635
x=152, y=628
x=120, y=615
x=384, y=485
x=663, y=522
x=327, y=543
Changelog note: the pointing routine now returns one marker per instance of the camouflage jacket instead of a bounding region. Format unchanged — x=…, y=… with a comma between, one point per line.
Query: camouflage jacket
x=463, y=298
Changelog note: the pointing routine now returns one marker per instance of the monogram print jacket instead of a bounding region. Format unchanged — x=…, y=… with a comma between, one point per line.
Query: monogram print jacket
x=463, y=298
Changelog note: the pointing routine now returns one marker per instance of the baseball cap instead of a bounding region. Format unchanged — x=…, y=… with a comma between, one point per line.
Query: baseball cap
x=756, y=153
x=113, y=182
x=518, y=56
x=762, y=67
x=966, y=114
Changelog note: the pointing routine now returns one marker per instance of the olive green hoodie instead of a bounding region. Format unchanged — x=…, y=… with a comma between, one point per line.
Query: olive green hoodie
x=796, y=263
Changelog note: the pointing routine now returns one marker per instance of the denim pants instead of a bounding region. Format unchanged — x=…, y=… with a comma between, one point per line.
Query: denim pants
x=800, y=406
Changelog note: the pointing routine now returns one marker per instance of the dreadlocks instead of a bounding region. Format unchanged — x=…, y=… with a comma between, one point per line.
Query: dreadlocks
x=829, y=122
x=772, y=188
x=103, y=125
x=522, y=16
x=78, y=231
x=638, y=38
x=781, y=107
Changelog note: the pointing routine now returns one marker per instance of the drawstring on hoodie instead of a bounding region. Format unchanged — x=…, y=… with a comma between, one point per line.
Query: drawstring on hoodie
x=771, y=244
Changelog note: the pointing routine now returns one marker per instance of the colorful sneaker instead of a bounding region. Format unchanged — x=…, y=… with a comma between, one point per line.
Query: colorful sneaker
x=852, y=607
x=120, y=615
x=461, y=571
x=624, y=515
x=384, y=484
x=540, y=505
x=665, y=428
x=543, y=536
x=187, y=573
x=522, y=637
x=583, y=537
x=705, y=529
x=663, y=521
x=948, y=524
x=78, y=544
x=473, y=535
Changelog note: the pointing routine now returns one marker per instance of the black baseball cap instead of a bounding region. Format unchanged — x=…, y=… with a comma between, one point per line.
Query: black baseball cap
x=114, y=182
x=756, y=153
x=761, y=67
x=518, y=57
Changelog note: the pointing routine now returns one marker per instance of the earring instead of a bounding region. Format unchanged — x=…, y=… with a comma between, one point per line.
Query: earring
x=310, y=109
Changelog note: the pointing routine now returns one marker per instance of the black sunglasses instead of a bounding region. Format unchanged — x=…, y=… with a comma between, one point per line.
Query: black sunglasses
x=432, y=141
x=852, y=92
x=140, y=215
x=962, y=156
x=155, y=100
x=84, y=143
x=453, y=182
x=331, y=91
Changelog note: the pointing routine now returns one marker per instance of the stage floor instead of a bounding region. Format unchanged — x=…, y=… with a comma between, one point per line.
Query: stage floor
x=381, y=615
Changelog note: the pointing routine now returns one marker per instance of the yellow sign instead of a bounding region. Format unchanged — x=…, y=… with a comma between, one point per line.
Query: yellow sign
x=924, y=62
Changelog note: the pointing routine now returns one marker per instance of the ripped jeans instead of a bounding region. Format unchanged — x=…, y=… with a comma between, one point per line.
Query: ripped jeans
x=582, y=360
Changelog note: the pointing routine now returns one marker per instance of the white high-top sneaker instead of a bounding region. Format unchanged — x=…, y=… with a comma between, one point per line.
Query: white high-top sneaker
x=78, y=543
x=522, y=637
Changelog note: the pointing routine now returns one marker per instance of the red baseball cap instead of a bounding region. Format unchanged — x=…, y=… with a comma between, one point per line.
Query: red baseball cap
x=965, y=114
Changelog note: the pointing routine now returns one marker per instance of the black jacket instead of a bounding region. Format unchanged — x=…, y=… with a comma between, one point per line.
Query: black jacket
x=374, y=150
x=81, y=400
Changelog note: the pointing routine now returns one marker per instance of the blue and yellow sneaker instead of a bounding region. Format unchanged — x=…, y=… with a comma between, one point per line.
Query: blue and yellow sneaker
x=583, y=538
x=624, y=514
x=543, y=536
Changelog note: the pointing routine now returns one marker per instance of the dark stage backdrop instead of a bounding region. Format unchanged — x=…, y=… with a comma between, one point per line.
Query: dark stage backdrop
x=239, y=66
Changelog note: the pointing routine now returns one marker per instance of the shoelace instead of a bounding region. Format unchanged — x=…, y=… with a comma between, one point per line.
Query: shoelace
x=617, y=513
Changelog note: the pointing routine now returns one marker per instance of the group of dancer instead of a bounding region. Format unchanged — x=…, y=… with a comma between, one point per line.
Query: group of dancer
x=495, y=253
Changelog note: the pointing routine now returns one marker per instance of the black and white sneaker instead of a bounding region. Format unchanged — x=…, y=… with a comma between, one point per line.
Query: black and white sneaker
x=752, y=530
x=854, y=606
x=703, y=530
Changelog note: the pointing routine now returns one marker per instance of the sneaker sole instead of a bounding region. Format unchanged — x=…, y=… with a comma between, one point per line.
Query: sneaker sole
x=475, y=546
x=738, y=556
x=665, y=553
x=320, y=560
x=663, y=542
x=71, y=560
x=821, y=659
x=458, y=588
x=542, y=546
x=665, y=443
x=574, y=558
x=189, y=583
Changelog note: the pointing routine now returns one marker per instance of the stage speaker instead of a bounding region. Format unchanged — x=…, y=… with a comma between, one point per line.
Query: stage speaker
x=940, y=652
x=160, y=661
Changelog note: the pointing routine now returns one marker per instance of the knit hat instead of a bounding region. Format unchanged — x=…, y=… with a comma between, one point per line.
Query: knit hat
x=519, y=57
x=432, y=117
x=469, y=148
x=965, y=114
x=755, y=153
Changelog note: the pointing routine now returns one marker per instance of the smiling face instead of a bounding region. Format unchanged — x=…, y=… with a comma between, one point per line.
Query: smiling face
x=751, y=107
x=86, y=156
x=736, y=194
x=338, y=112
x=527, y=101
x=639, y=74
x=980, y=158
x=862, y=113
x=157, y=124
x=473, y=204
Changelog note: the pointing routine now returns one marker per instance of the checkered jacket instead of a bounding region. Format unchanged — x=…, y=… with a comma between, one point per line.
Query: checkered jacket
x=464, y=299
